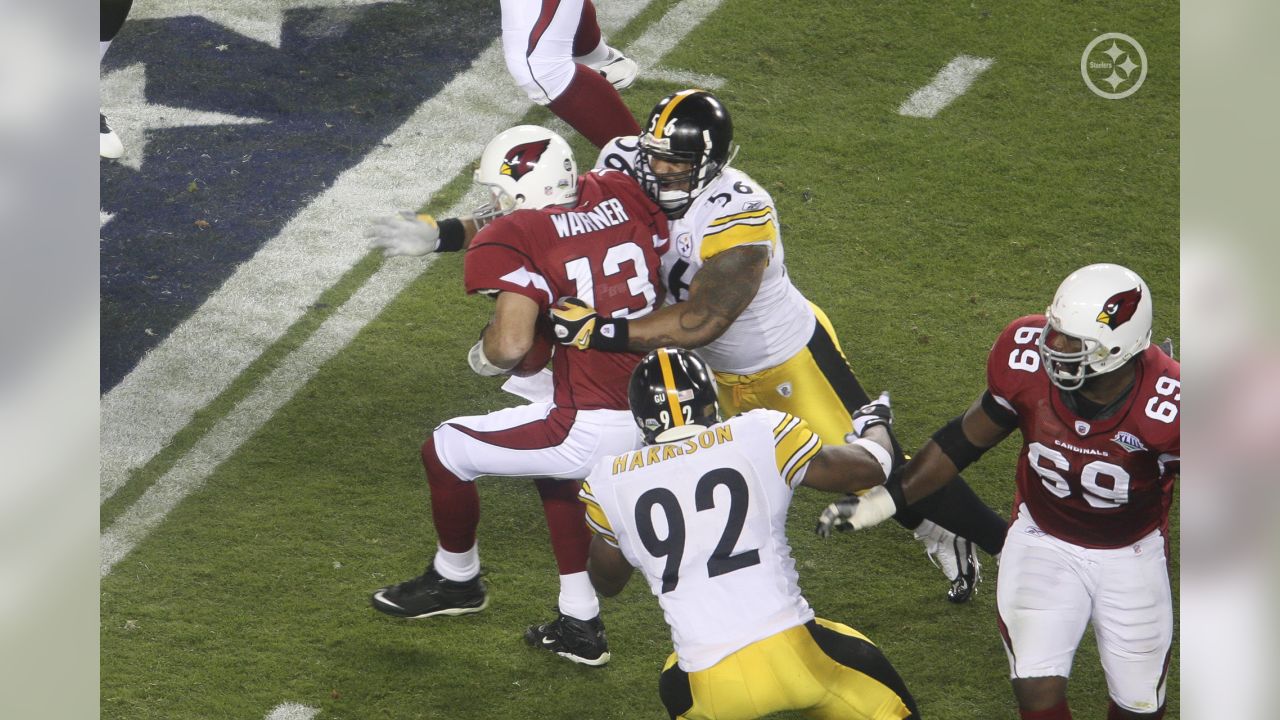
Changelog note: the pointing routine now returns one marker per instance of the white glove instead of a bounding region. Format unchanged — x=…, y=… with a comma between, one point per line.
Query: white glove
x=857, y=512
x=404, y=233
x=876, y=412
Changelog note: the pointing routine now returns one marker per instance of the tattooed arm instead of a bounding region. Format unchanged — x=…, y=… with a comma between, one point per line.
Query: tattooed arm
x=720, y=291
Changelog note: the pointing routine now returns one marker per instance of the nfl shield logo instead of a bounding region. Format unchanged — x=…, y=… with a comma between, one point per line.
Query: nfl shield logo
x=684, y=245
x=1082, y=427
x=785, y=389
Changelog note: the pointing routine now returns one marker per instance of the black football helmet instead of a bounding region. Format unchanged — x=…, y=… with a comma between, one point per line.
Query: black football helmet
x=693, y=127
x=669, y=388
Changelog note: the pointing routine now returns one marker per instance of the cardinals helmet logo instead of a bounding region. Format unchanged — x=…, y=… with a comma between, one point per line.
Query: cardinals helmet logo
x=523, y=158
x=1119, y=308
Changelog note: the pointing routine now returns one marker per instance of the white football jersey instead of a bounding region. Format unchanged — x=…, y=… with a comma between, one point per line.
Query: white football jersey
x=704, y=519
x=731, y=212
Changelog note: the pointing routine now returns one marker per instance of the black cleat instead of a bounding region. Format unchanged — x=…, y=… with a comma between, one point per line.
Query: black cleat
x=429, y=595
x=581, y=641
x=109, y=145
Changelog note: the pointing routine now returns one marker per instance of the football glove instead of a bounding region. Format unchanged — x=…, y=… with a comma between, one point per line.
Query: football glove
x=573, y=322
x=857, y=512
x=872, y=414
x=405, y=233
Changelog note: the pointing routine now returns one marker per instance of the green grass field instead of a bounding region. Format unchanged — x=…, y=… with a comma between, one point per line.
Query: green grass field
x=920, y=238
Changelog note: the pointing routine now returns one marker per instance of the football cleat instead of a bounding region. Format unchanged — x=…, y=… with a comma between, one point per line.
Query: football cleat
x=429, y=595
x=581, y=641
x=953, y=555
x=618, y=69
x=109, y=145
x=970, y=572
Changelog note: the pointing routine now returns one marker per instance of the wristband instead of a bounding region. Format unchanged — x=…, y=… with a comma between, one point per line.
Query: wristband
x=452, y=235
x=610, y=335
x=881, y=455
x=480, y=363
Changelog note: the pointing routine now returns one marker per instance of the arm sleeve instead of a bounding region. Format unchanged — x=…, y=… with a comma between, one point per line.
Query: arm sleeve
x=794, y=446
x=596, y=519
x=747, y=226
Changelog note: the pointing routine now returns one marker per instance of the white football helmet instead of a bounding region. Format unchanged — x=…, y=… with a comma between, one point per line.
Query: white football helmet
x=1108, y=309
x=526, y=167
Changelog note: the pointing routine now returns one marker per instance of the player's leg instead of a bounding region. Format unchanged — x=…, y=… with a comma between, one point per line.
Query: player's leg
x=590, y=49
x=538, y=42
x=1043, y=606
x=765, y=677
x=557, y=447
x=531, y=440
x=859, y=679
x=1133, y=622
x=674, y=690
x=826, y=380
x=111, y=19
x=453, y=456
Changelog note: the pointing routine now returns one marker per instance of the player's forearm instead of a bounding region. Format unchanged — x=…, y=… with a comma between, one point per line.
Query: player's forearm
x=607, y=568
x=509, y=335
x=927, y=472
x=688, y=325
x=505, y=351
x=721, y=290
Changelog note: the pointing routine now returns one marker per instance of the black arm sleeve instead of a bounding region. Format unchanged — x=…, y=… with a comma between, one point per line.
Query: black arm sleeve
x=953, y=443
x=1001, y=415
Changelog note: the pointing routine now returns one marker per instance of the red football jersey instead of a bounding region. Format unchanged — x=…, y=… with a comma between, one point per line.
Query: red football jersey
x=1096, y=483
x=605, y=251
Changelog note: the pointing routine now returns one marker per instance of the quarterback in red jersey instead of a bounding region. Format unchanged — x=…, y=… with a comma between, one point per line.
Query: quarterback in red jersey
x=555, y=234
x=1098, y=408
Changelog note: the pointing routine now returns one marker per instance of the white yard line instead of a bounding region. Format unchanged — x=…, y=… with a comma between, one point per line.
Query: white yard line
x=254, y=410
x=271, y=291
x=950, y=83
x=472, y=88
x=293, y=711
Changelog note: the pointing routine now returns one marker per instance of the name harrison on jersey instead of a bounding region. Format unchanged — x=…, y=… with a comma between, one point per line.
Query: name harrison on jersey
x=657, y=453
x=605, y=215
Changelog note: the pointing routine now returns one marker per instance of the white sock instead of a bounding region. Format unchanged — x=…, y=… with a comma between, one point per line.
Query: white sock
x=597, y=56
x=577, y=597
x=102, y=49
x=458, y=567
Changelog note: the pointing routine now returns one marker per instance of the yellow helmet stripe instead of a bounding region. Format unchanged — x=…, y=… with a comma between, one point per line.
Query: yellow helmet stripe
x=669, y=380
x=666, y=111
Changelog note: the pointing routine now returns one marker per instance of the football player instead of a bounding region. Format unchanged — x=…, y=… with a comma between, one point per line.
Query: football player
x=730, y=297
x=556, y=54
x=1098, y=408
x=600, y=235
x=701, y=511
